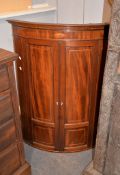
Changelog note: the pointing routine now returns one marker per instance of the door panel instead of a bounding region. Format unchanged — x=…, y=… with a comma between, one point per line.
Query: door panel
x=79, y=62
x=78, y=73
x=42, y=61
x=41, y=134
x=42, y=79
x=75, y=137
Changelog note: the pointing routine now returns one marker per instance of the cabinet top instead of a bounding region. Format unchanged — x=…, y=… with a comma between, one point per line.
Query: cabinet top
x=53, y=26
x=7, y=56
x=59, y=31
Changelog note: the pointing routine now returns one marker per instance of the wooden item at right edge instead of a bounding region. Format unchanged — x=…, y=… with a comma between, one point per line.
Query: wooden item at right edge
x=107, y=10
x=110, y=1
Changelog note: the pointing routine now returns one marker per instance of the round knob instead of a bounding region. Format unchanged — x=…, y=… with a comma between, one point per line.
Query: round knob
x=20, y=68
x=57, y=103
x=20, y=58
x=61, y=103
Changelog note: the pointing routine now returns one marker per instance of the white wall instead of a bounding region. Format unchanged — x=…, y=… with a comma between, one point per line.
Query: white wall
x=6, y=40
x=93, y=11
x=38, y=1
x=80, y=11
x=52, y=2
x=5, y=36
x=70, y=11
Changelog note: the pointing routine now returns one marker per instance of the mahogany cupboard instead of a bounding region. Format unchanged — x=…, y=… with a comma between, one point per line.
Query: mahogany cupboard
x=59, y=71
x=12, y=161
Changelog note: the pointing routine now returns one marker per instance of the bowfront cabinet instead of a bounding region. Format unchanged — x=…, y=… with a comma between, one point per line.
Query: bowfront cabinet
x=59, y=72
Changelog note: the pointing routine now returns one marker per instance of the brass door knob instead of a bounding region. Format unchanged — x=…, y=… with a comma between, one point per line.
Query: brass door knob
x=57, y=103
x=61, y=103
x=20, y=68
x=20, y=58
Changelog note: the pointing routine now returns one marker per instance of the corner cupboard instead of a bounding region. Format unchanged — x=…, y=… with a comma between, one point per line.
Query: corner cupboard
x=60, y=69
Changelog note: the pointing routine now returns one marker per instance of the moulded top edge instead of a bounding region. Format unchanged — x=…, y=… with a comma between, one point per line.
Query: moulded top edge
x=57, y=26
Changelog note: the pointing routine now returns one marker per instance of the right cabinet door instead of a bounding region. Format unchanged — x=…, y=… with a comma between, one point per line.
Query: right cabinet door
x=80, y=65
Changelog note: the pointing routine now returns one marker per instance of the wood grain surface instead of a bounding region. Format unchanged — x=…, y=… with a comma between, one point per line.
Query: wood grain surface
x=62, y=68
x=11, y=144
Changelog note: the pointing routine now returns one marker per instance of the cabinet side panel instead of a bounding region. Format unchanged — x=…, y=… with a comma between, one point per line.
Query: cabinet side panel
x=23, y=86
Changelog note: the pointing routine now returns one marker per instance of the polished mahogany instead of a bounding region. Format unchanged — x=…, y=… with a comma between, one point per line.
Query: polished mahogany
x=12, y=160
x=59, y=71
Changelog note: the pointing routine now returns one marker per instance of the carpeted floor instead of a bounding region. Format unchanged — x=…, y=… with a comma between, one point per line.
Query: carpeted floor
x=47, y=163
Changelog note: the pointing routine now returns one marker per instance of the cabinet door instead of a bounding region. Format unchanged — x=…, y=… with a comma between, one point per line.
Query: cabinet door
x=80, y=62
x=42, y=61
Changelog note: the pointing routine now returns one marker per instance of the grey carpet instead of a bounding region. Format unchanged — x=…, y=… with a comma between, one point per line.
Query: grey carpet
x=47, y=163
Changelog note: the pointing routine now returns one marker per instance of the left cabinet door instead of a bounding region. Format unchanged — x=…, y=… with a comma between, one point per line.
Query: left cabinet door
x=41, y=64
